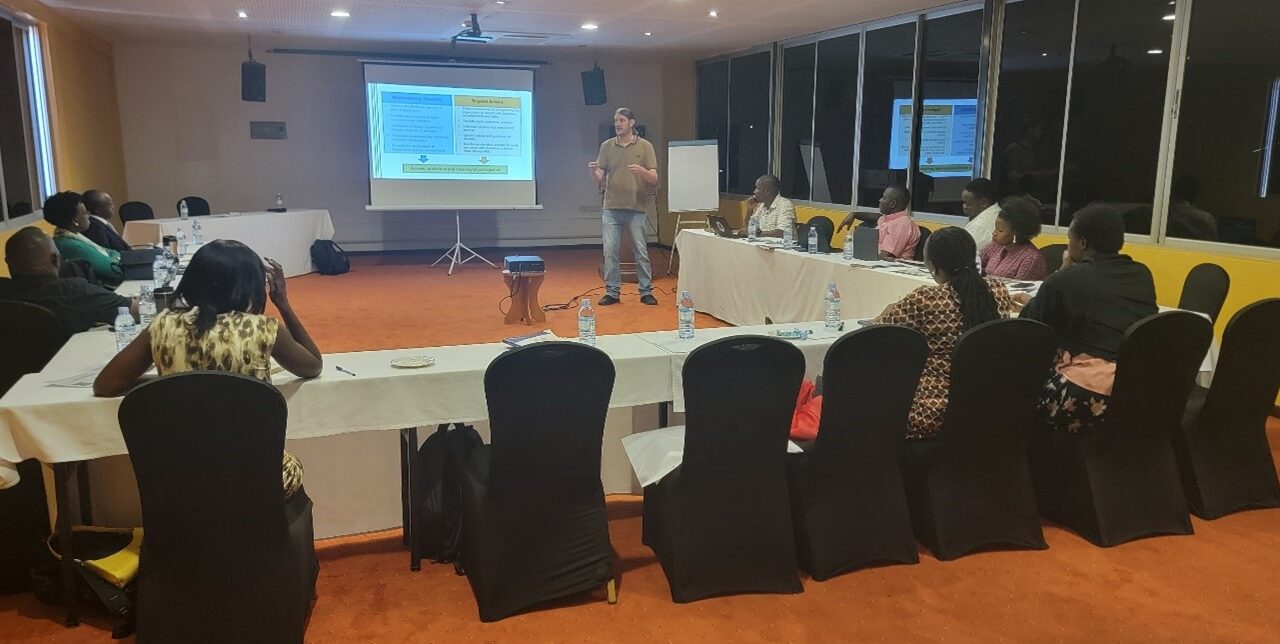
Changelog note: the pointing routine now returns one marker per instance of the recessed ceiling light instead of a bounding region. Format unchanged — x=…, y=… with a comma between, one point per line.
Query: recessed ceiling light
x=500, y=2
x=1044, y=53
x=340, y=13
x=648, y=33
x=590, y=26
x=713, y=13
x=1170, y=17
x=241, y=14
x=1155, y=51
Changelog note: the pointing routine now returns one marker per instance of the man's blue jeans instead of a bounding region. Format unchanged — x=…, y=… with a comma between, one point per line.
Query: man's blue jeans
x=633, y=221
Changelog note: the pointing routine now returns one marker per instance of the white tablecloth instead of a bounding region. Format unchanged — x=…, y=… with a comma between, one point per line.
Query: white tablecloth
x=283, y=236
x=60, y=424
x=743, y=283
x=814, y=348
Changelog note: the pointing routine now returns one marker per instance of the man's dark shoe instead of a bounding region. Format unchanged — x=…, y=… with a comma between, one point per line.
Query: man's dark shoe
x=607, y=300
x=650, y=300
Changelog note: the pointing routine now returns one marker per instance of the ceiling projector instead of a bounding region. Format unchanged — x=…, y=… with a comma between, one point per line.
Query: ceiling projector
x=472, y=33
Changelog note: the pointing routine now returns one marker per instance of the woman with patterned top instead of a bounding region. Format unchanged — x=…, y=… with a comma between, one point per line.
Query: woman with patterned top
x=961, y=300
x=218, y=325
x=1011, y=254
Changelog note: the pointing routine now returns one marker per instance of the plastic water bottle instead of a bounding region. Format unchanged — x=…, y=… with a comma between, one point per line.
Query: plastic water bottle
x=183, y=212
x=126, y=329
x=813, y=240
x=146, y=306
x=159, y=271
x=753, y=227
x=685, y=314
x=182, y=242
x=279, y=201
x=833, y=307
x=848, y=245
x=197, y=233
x=788, y=236
x=586, y=323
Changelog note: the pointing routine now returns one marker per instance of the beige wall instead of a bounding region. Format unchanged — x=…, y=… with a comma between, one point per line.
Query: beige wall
x=186, y=131
x=679, y=116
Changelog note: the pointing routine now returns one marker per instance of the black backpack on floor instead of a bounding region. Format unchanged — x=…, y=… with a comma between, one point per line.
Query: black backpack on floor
x=329, y=257
x=440, y=465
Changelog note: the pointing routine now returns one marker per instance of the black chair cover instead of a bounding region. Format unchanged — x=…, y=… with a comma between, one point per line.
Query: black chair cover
x=30, y=336
x=224, y=557
x=720, y=523
x=136, y=211
x=1119, y=481
x=847, y=496
x=924, y=239
x=970, y=486
x=1053, y=257
x=1205, y=290
x=1223, y=454
x=534, y=524
x=196, y=206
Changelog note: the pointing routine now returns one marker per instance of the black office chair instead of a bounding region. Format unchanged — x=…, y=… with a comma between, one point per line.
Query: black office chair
x=924, y=239
x=1205, y=290
x=970, y=486
x=136, y=211
x=1119, y=480
x=534, y=525
x=825, y=229
x=847, y=497
x=196, y=206
x=1053, y=257
x=1223, y=454
x=720, y=523
x=30, y=336
x=225, y=558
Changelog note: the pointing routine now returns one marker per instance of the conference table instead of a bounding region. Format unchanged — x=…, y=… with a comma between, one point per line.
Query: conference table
x=283, y=236
x=743, y=282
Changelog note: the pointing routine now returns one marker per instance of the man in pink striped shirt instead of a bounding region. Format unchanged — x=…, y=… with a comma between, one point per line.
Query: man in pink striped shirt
x=899, y=234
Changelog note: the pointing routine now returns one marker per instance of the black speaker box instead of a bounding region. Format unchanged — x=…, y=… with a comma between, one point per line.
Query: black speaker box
x=253, y=81
x=593, y=91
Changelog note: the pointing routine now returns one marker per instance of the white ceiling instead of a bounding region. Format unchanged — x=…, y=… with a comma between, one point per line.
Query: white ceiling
x=677, y=25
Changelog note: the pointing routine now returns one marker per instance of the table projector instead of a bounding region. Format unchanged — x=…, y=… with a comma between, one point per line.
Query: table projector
x=523, y=264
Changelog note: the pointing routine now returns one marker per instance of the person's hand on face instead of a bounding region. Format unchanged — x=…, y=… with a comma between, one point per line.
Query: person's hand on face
x=275, y=282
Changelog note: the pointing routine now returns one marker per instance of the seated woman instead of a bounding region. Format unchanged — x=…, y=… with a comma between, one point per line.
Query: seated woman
x=961, y=300
x=218, y=325
x=1011, y=253
x=1089, y=303
x=66, y=211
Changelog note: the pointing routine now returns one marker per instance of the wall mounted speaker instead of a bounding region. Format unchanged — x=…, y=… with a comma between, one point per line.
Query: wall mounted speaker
x=253, y=81
x=593, y=91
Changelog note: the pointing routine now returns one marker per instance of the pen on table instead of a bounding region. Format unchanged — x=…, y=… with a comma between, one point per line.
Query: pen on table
x=349, y=373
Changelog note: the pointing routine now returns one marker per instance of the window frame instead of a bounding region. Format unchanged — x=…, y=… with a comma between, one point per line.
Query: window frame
x=774, y=75
x=36, y=118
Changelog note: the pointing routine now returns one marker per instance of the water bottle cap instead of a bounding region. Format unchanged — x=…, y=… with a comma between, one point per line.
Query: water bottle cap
x=123, y=310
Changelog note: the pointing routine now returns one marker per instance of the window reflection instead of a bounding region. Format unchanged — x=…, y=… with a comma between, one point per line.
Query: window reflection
x=886, y=136
x=794, y=155
x=949, y=121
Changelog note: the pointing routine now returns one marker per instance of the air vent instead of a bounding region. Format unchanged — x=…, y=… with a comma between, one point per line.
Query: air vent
x=522, y=38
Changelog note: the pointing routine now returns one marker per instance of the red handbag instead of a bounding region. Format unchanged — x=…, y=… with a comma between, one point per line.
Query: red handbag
x=804, y=421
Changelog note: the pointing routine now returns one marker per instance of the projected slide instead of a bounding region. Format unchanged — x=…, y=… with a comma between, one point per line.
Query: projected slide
x=449, y=133
x=948, y=129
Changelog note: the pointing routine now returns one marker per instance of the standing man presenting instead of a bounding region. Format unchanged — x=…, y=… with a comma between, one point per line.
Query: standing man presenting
x=625, y=170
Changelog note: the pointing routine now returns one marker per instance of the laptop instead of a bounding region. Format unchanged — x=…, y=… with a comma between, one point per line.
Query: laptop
x=720, y=226
x=866, y=243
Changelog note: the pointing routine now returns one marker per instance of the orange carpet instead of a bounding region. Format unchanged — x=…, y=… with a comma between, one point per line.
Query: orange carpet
x=1215, y=586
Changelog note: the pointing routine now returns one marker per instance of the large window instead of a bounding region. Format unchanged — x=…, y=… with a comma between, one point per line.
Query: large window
x=713, y=108
x=1224, y=173
x=734, y=107
x=1034, y=67
x=795, y=153
x=949, y=118
x=1120, y=73
x=750, y=100
x=26, y=172
x=835, y=118
x=887, y=88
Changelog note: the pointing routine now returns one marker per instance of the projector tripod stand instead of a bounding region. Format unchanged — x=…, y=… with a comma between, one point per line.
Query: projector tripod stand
x=459, y=253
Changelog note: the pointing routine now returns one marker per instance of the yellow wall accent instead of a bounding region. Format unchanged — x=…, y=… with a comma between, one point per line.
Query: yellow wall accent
x=84, y=112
